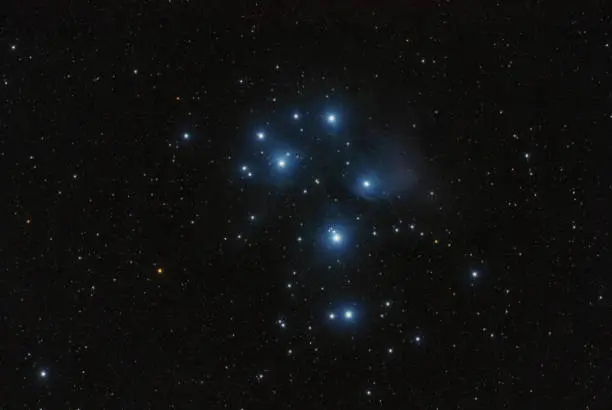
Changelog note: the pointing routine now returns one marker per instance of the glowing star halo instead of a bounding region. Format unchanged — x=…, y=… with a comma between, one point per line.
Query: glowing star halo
x=335, y=236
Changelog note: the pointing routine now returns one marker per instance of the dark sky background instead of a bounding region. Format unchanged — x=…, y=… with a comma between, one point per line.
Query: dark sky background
x=143, y=268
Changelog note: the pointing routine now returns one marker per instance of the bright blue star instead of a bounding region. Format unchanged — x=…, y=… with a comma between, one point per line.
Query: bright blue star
x=283, y=164
x=474, y=274
x=260, y=135
x=369, y=187
x=331, y=118
x=335, y=236
x=296, y=116
x=186, y=136
x=343, y=315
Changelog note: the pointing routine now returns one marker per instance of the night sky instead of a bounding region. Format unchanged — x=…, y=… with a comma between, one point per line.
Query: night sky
x=294, y=205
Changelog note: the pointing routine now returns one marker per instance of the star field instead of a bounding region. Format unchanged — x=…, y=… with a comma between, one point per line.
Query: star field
x=306, y=206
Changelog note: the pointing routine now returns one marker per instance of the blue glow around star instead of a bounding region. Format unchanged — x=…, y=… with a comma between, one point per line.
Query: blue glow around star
x=368, y=187
x=335, y=236
x=285, y=160
x=343, y=314
x=331, y=118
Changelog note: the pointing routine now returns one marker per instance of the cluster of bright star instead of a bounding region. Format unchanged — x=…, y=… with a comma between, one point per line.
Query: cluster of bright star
x=284, y=159
x=346, y=315
x=335, y=236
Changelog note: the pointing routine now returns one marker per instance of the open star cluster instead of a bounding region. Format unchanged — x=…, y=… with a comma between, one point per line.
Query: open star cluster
x=313, y=205
x=345, y=194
